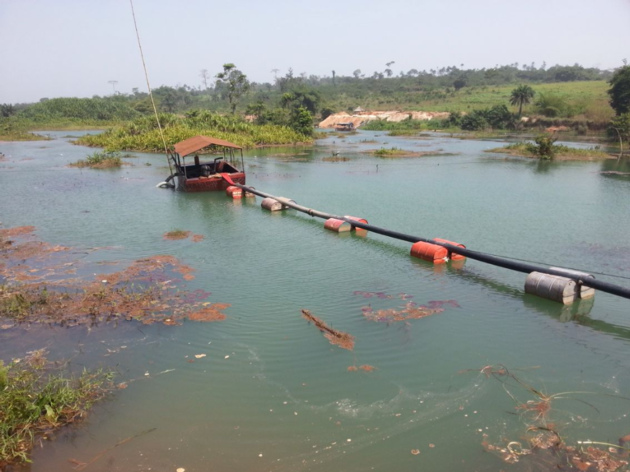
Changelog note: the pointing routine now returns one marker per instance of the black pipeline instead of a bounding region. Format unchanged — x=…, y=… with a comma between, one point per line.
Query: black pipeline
x=479, y=256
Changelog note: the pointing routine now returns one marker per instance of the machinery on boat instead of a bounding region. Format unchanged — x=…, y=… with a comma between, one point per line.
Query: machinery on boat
x=198, y=176
x=345, y=127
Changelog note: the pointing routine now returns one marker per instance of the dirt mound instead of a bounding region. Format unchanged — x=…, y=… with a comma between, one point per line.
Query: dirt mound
x=358, y=118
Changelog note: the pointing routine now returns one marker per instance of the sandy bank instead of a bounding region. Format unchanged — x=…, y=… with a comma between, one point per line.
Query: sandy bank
x=358, y=118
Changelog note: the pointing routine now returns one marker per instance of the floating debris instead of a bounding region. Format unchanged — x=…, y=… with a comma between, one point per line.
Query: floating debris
x=409, y=311
x=339, y=338
x=210, y=313
x=542, y=445
x=364, y=368
x=176, y=235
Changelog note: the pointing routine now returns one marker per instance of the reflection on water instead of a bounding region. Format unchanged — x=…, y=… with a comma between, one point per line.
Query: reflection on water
x=271, y=393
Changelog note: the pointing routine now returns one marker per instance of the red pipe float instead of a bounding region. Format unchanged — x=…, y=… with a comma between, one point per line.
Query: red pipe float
x=234, y=192
x=451, y=255
x=429, y=252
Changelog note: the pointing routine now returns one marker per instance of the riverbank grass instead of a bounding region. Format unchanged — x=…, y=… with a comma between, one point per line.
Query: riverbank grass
x=37, y=398
x=100, y=160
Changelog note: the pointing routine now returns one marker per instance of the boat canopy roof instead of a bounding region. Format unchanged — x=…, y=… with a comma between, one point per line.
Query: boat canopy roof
x=197, y=143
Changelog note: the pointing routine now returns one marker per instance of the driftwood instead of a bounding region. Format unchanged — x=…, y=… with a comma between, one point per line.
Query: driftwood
x=339, y=338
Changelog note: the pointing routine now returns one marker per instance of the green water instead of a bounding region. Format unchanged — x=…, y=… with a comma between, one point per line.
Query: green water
x=285, y=392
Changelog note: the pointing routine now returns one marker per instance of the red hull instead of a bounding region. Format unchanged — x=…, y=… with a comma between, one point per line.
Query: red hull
x=212, y=184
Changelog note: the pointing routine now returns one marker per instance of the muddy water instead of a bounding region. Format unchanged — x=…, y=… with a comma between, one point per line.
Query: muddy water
x=272, y=393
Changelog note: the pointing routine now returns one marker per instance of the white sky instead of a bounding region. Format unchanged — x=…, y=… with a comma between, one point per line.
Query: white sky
x=53, y=48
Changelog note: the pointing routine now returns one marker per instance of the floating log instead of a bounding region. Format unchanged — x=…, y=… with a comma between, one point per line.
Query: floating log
x=341, y=339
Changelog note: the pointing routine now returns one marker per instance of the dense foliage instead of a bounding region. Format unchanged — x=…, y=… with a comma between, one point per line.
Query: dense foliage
x=100, y=109
x=620, y=90
x=143, y=134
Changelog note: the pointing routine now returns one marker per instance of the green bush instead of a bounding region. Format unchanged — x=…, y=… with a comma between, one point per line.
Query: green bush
x=474, y=121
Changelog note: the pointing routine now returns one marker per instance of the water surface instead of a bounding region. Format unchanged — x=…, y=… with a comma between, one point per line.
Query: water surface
x=284, y=400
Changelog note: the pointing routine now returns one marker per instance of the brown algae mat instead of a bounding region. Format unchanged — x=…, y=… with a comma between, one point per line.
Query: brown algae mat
x=42, y=284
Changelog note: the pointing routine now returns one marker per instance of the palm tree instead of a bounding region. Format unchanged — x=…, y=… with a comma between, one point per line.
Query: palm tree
x=520, y=96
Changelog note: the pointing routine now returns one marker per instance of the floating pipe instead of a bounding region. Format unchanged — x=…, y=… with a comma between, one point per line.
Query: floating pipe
x=517, y=266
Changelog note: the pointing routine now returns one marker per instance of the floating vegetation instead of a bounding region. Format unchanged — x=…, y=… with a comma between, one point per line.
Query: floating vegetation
x=211, y=312
x=394, y=152
x=336, y=159
x=338, y=338
x=37, y=398
x=40, y=287
x=100, y=160
x=410, y=311
x=382, y=295
x=364, y=368
x=176, y=234
x=542, y=444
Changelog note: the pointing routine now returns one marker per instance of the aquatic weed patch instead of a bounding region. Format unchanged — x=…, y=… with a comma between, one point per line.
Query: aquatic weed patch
x=176, y=234
x=41, y=286
x=179, y=234
x=100, y=160
x=409, y=311
x=38, y=397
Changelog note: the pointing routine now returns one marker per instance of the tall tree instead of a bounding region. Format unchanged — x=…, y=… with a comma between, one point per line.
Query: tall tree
x=204, y=77
x=520, y=96
x=235, y=83
x=388, y=71
x=620, y=90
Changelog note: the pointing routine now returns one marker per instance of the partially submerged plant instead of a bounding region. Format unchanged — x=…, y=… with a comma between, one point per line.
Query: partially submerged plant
x=100, y=160
x=37, y=398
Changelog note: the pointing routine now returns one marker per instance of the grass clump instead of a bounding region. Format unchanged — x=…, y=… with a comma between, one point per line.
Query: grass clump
x=391, y=152
x=37, y=398
x=100, y=160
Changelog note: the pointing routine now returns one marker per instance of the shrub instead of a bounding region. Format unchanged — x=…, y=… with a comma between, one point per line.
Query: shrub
x=474, y=121
x=545, y=148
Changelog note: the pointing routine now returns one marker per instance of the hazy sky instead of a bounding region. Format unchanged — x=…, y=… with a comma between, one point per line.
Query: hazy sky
x=53, y=48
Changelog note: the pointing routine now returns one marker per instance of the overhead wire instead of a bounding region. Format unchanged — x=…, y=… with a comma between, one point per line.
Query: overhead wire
x=146, y=76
